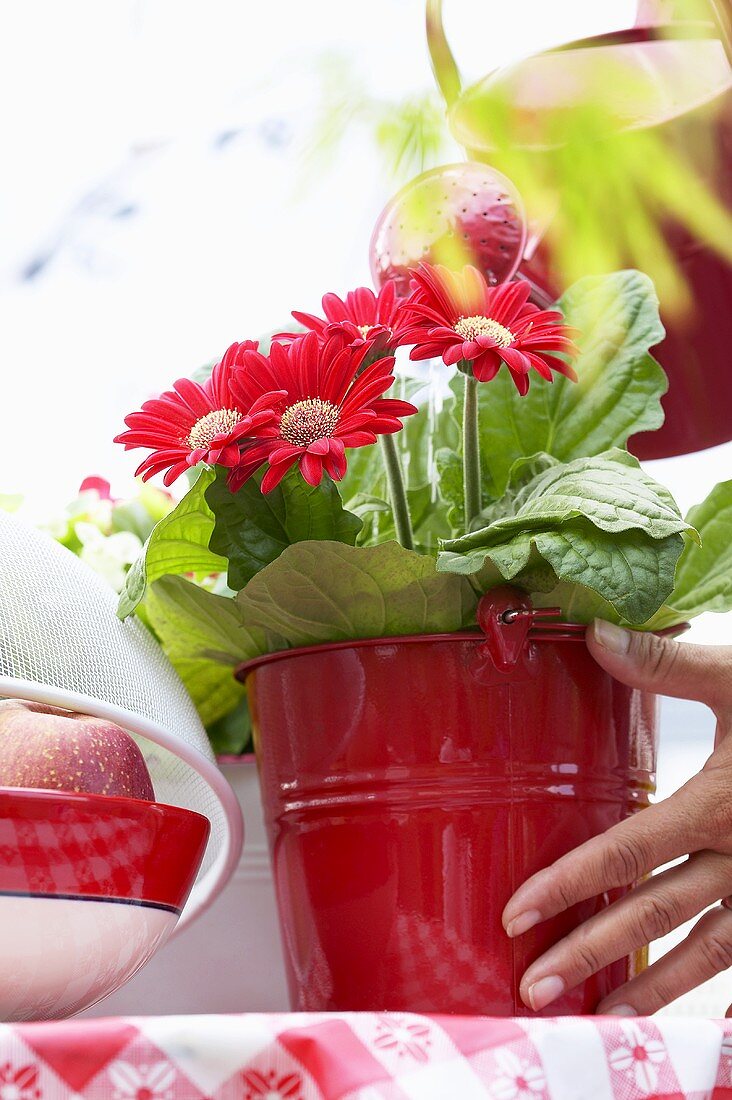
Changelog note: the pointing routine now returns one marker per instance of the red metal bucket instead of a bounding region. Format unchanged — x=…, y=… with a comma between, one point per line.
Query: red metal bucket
x=409, y=788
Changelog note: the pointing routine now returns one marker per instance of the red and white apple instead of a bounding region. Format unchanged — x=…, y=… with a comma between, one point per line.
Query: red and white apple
x=53, y=749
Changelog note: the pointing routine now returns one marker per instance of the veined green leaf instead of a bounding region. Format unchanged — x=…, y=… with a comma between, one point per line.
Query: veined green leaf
x=610, y=490
x=253, y=528
x=178, y=544
x=450, y=474
x=704, y=574
x=327, y=591
x=205, y=638
x=633, y=573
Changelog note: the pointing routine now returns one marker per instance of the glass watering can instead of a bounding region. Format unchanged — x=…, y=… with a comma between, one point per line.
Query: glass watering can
x=621, y=146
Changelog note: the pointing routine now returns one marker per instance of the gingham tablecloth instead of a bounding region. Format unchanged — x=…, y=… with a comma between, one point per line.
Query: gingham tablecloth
x=366, y=1056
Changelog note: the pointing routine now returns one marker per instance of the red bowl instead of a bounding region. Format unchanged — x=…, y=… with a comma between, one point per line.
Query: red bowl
x=90, y=887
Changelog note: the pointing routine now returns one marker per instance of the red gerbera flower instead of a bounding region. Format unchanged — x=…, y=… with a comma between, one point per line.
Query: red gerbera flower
x=364, y=318
x=195, y=423
x=458, y=316
x=331, y=402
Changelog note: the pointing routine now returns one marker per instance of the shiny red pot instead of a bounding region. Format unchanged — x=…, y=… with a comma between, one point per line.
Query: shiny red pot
x=409, y=788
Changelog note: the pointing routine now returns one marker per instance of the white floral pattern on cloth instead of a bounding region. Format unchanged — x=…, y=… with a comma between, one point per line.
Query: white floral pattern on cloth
x=407, y=1039
x=519, y=1080
x=640, y=1058
x=271, y=1085
x=142, y=1082
x=19, y=1083
x=365, y=1056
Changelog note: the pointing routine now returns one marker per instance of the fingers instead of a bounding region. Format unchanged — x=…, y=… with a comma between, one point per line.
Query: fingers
x=678, y=826
x=663, y=665
x=653, y=909
x=706, y=951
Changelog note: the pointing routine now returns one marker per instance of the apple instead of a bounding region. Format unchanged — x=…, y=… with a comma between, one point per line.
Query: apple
x=53, y=749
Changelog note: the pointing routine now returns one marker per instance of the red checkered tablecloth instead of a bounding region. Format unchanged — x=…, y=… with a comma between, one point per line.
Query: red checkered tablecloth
x=366, y=1056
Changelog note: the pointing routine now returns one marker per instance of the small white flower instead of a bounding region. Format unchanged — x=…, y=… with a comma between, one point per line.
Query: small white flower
x=640, y=1058
x=404, y=1038
x=519, y=1080
x=109, y=555
x=152, y=1082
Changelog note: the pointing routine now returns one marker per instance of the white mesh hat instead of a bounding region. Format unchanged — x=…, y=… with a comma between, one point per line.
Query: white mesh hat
x=61, y=643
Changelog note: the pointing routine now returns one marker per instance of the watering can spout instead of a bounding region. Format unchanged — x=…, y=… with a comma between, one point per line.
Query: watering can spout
x=443, y=61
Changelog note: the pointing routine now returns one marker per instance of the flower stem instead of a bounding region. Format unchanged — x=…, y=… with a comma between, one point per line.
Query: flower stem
x=471, y=451
x=397, y=492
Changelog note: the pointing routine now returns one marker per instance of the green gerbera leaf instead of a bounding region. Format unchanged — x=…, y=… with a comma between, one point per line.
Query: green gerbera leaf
x=205, y=638
x=450, y=473
x=178, y=544
x=631, y=572
x=704, y=575
x=610, y=490
x=327, y=591
x=253, y=528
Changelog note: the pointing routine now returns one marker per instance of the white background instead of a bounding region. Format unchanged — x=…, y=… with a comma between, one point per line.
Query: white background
x=153, y=245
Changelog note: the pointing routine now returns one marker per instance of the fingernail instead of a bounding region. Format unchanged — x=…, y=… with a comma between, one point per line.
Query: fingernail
x=546, y=990
x=618, y=1010
x=612, y=637
x=523, y=922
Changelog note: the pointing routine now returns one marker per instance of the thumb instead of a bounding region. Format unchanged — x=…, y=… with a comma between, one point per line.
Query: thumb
x=662, y=665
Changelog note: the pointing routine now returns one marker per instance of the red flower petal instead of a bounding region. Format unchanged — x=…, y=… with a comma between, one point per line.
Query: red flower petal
x=311, y=468
x=441, y=298
x=274, y=474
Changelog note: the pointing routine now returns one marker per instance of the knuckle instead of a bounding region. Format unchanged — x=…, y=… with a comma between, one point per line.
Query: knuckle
x=659, y=993
x=657, y=916
x=586, y=959
x=561, y=894
x=708, y=807
x=716, y=951
x=659, y=655
x=622, y=862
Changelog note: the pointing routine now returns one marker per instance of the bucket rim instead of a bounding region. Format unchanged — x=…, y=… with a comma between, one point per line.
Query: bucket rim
x=556, y=631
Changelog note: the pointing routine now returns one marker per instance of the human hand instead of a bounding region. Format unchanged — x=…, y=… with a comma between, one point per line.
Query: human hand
x=696, y=822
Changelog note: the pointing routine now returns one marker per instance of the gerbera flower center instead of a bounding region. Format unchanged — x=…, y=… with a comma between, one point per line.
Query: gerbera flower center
x=470, y=328
x=217, y=422
x=364, y=330
x=307, y=421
